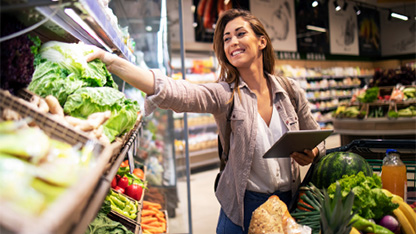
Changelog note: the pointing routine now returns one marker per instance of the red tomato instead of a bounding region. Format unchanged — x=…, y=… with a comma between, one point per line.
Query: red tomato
x=114, y=182
x=139, y=173
x=123, y=182
x=134, y=191
x=118, y=189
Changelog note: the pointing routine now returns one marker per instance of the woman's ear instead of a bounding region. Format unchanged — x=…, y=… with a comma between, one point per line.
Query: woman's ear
x=262, y=42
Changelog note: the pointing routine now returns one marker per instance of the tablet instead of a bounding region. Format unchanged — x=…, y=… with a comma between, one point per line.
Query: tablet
x=296, y=141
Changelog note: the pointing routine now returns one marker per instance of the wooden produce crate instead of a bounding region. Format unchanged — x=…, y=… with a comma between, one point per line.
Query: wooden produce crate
x=62, y=215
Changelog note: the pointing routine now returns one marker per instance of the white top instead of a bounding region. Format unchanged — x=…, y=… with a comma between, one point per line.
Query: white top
x=269, y=174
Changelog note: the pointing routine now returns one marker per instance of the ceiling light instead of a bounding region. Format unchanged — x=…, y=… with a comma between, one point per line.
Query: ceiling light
x=337, y=7
x=315, y=28
x=399, y=16
x=357, y=10
x=148, y=28
x=315, y=3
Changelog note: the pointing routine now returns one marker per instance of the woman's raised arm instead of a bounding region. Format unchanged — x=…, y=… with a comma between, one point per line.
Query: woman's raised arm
x=139, y=78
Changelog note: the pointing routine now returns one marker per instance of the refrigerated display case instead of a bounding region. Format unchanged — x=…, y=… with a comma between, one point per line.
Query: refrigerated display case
x=135, y=30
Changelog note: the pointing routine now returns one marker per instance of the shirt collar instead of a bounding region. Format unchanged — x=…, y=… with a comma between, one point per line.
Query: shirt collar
x=276, y=87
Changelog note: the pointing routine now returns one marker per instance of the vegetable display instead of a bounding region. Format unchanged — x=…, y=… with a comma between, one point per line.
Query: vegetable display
x=370, y=201
x=86, y=101
x=337, y=164
x=16, y=63
x=122, y=205
x=82, y=88
x=128, y=184
x=103, y=224
x=373, y=209
x=153, y=220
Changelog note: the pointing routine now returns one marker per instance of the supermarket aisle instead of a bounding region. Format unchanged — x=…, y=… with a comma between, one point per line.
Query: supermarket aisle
x=205, y=207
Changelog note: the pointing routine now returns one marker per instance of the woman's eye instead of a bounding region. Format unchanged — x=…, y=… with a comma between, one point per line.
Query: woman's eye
x=240, y=34
x=226, y=39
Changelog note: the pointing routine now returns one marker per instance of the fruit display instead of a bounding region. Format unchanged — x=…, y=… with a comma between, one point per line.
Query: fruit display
x=316, y=208
x=354, y=201
x=379, y=102
x=335, y=165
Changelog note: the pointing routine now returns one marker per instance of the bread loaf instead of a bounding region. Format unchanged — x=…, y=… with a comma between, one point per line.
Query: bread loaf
x=273, y=217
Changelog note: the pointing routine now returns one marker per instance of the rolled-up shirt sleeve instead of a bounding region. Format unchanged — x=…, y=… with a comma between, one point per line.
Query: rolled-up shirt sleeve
x=154, y=100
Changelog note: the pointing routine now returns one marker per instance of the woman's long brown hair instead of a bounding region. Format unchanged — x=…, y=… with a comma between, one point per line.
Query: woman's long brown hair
x=228, y=72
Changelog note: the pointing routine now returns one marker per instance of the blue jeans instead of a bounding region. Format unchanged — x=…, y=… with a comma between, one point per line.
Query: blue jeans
x=252, y=200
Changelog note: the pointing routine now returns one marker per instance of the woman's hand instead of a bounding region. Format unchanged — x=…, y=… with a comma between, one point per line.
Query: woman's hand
x=107, y=58
x=306, y=157
x=137, y=77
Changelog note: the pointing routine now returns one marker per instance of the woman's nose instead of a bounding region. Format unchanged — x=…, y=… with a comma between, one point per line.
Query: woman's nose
x=234, y=40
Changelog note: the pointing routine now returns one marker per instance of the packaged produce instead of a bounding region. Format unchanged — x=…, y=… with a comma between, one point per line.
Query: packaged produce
x=34, y=175
x=393, y=174
x=274, y=217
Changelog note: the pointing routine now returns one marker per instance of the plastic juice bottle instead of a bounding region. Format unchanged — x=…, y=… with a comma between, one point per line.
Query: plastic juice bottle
x=393, y=174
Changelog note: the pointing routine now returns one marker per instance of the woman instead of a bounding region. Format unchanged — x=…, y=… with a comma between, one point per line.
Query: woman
x=262, y=112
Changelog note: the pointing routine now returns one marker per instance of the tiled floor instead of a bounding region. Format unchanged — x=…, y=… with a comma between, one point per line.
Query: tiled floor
x=204, y=205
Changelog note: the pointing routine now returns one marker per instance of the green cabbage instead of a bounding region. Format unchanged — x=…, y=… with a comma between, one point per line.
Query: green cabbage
x=86, y=101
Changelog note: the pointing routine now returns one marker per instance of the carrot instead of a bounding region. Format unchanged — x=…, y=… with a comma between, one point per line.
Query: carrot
x=147, y=220
x=147, y=204
x=145, y=231
x=152, y=228
x=146, y=212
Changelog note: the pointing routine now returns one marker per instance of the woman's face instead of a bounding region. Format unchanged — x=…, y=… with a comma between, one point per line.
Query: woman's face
x=241, y=46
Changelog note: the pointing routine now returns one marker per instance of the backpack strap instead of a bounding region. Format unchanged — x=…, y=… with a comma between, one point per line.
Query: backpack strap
x=285, y=83
x=224, y=151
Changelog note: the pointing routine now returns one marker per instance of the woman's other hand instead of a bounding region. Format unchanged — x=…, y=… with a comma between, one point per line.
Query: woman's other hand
x=306, y=157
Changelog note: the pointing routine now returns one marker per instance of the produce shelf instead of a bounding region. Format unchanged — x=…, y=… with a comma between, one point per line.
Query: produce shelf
x=66, y=211
x=68, y=215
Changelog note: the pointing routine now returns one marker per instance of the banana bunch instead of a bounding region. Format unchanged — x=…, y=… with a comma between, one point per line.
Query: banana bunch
x=404, y=214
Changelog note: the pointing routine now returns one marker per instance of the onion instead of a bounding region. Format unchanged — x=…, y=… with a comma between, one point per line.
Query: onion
x=389, y=222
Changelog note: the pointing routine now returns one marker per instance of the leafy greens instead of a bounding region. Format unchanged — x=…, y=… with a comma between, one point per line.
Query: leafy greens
x=86, y=101
x=82, y=88
x=370, y=202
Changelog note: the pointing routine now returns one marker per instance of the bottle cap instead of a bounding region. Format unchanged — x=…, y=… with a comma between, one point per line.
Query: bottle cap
x=391, y=151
